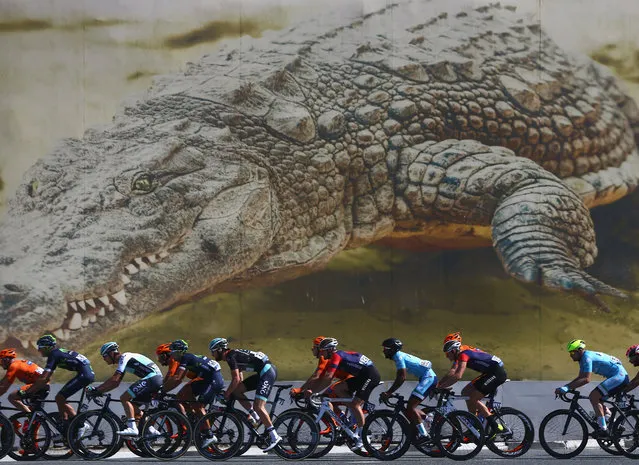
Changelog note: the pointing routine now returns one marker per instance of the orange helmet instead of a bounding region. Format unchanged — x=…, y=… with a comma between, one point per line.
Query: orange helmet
x=8, y=353
x=163, y=349
x=456, y=336
x=317, y=340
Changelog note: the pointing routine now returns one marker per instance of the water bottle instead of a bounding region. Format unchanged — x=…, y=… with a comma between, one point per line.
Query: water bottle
x=428, y=420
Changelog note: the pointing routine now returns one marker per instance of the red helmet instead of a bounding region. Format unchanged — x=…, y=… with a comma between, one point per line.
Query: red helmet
x=456, y=336
x=8, y=353
x=163, y=349
x=317, y=340
x=631, y=352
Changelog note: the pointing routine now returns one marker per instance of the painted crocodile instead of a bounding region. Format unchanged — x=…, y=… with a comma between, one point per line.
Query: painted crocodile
x=416, y=124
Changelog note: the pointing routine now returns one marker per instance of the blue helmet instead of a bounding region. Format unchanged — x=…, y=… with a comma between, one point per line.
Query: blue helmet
x=46, y=341
x=218, y=343
x=179, y=346
x=108, y=347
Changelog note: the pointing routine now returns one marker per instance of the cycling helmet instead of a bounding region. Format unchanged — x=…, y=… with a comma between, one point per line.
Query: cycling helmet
x=393, y=344
x=48, y=340
x=163, y=349
x=8, y=353
x=317, y=340
x=451, y=345
x=179, y=346
x=576, y=344
x=456, y=336
x=328, y=343
x=218, y=343
x=108, y=347
x=631, y=352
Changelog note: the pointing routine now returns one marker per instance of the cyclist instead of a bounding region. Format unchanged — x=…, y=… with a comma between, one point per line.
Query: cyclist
x=492, y=376
x=321, y=364
x=71, y=360
x=170, y=382
x=26, y=372
x=602, y=364
x=633, y=357
x=150, y=381
x=422, y=369
x=365, y=378
x=246, y=360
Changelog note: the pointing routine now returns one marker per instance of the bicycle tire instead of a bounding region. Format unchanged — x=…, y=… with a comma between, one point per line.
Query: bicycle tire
x=327, y=434
x=174, y=434
x=249, y=437
x=380, y=437
x=228, y=429
x=625, y=433
x=23, y=447
x=100, y=440
x=426, y=445
x=518, y=438
x=59, y=447
x=459, y=435
x=7, y=436
x=299, y=433
x=579, y=437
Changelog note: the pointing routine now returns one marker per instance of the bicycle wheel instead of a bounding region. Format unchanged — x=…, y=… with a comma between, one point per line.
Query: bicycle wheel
x=7, y=436
x=166, y=434
x=30, y=442
x=327, y=437
x=563, y=434
x=59, y=447
x=249, y=438
x=625, y=433
x=93, y=435
x=459, y=435
x=299, y=433
x=386, y=436
x=426, y=445
x=517, y=436
x=228, y=433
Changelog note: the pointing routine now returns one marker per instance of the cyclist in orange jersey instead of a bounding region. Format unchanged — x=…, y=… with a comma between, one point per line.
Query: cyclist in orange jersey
x=26, y=372
x=171, y=380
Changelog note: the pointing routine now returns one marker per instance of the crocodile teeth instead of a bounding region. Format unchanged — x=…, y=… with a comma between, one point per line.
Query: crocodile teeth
x=151, y=258
x=101, y=312
x=125, y=279
x=85, y=322
x=74, y=306
x=90, y=303
x=59, y=333
x=76, y=321
x=163, y=254
x=110, y=307
x=141, y=264
x=120, y=297
x=33, y=344
x=131, y=268
x=104, y=299
x=82, y=305
x=93, y=318
x=25, y=344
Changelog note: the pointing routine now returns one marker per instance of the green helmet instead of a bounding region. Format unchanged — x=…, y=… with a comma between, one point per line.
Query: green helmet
x=46, y=341
x=179, y=346
x=576, y=344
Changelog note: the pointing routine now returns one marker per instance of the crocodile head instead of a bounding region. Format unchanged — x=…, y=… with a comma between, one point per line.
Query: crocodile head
x=104, y=230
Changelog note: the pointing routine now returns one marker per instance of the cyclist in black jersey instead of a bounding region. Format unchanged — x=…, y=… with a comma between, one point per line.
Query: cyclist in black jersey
x=141, y=366
x=240, y=360
x=67, y=360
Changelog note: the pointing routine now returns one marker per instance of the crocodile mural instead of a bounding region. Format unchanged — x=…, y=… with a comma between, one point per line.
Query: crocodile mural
x=414, y=126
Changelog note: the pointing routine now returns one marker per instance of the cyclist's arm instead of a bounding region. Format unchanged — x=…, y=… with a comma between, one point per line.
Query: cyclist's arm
x=40, y=382
x=174, y=381
x=5, y=384
x=400, y=377
x=111, y=383
x=580, y=380
x=236, y=379
x=454, y=375
x=629, y=387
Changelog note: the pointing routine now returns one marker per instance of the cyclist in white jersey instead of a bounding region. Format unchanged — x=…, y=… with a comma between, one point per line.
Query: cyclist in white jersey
x=143, y=367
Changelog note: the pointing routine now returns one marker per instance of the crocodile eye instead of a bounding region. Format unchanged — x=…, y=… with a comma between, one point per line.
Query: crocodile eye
x=143, y=183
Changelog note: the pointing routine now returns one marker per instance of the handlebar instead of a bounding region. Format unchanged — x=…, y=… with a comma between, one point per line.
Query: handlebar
x=398, y=399
x=569, y=396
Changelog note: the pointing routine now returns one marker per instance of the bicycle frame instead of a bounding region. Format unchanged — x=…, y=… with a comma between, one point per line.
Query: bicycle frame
x=575, y=407
x=325, y=407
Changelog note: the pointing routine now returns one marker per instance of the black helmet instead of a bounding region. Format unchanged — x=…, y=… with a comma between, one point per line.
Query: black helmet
x=451, y=345
x=328, y=343
x=179, y=346
x=393, y=345
x=48, y=340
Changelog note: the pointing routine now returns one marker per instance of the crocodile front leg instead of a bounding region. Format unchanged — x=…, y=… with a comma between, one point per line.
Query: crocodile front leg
x=541, y=229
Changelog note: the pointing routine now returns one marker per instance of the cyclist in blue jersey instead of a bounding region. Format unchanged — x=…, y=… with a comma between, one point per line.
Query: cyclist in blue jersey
x=129, y=362
x=602, y=364
x=492, y=375
x=421, y=369
x=67, y=360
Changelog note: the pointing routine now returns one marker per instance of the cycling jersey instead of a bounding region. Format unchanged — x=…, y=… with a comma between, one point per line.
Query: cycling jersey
x=602, y=364
x=414, y=365
x=24, y=370
x=344, y=363
x=205, y=368
x=138, y=364
x=478, y=360
x=67, y=360
x=174, y=365
x=246, y=360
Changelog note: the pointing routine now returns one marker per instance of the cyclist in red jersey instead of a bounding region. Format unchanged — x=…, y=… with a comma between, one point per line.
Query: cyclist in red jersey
x=171, y=381
x=24, y=371
x=492, y=375
x=633, y=357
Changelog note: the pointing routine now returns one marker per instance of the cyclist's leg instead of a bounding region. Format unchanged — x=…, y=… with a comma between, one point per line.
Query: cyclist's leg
x=79, y=382
x=608, y=387
x=263, y=388
x=481, y=386
x=414, y=413
x=202, y=391
x=16, y=401
x=141, y=389
x=363, y=384
x=186, y=396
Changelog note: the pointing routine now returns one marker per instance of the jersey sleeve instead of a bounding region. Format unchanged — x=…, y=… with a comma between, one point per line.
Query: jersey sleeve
x=332, y=365
x=585, y=364
x=230, y=359
x=52, y=363
x=463, y=357
x=400, y=363
x=173, y=366
x=122, y=363
x=12, y=371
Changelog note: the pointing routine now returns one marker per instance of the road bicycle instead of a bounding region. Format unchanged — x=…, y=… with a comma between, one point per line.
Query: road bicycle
x=7, y=435
x=564, y=433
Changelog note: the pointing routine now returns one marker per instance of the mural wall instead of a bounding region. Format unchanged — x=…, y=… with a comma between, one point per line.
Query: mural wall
x=66, y=69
